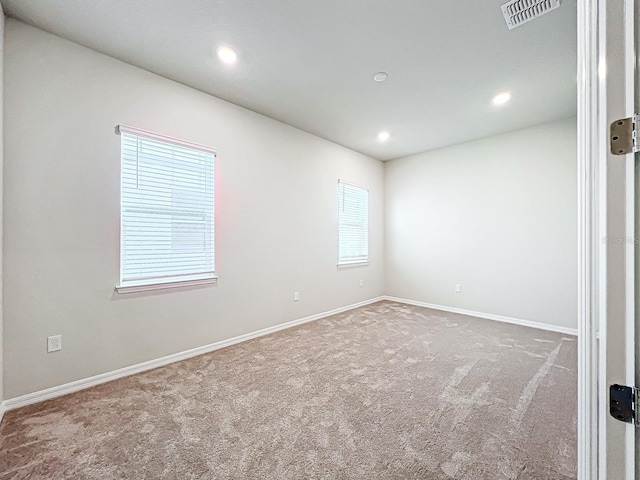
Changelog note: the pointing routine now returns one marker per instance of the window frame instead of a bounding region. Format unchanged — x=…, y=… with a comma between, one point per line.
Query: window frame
x=352, y=263
x=169, y=281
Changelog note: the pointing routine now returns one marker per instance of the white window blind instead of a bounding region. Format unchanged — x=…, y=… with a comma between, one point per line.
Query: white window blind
x=167, y=210
x=353, y=224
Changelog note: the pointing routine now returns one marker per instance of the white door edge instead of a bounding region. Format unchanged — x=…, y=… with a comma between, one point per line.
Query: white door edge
x=630, y=213
x=590, y=221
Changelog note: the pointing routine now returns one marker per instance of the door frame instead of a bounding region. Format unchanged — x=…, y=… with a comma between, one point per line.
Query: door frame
x=599, y=263
x=590, y=218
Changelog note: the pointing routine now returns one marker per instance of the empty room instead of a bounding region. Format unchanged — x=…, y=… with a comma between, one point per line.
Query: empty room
x=289, y=239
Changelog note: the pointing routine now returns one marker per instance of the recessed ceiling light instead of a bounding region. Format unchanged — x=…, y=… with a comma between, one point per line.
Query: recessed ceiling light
x=501, y=98
x=381, y=76
x=227, y=55
x=383, y=136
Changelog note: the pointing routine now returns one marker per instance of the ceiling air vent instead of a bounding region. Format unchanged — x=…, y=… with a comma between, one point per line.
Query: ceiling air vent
x=517, y=12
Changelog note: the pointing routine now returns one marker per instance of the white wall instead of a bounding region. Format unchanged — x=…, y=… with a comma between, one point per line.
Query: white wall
x=275, y=226
x=497, y=216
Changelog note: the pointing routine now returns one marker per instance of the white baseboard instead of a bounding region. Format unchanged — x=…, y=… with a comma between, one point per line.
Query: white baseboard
x=489, y=316
x=84, y=383
x=71, y=387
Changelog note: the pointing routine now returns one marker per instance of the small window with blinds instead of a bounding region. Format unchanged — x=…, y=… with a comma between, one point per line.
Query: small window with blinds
x=353, y=225
x=167, y=210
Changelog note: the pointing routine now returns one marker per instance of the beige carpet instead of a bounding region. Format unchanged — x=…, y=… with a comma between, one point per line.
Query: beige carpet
x=386, y=391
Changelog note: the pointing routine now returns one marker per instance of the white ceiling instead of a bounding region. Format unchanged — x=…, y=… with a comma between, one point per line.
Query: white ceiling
x=310, y=63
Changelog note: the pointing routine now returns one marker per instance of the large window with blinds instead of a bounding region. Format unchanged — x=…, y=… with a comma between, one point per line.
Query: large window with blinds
x=353, y=225
x=167, y=210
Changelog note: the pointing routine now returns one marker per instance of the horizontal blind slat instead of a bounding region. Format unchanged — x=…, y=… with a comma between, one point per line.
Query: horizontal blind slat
x=353, y=235
x=167, y=198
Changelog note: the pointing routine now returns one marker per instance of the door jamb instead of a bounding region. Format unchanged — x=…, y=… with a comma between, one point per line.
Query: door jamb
x=630, y=214
x=591, y=254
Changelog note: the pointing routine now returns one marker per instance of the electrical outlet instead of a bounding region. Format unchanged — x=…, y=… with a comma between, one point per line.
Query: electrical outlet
x=54, y=343
x=458, y=288
x=362, y=283
x=296, y=296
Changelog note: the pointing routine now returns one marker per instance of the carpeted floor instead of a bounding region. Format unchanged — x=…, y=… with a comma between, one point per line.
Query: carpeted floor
x=387, y=391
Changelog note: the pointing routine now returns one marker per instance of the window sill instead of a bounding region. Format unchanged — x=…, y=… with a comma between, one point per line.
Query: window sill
x=353, y=264
x=148, y=287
